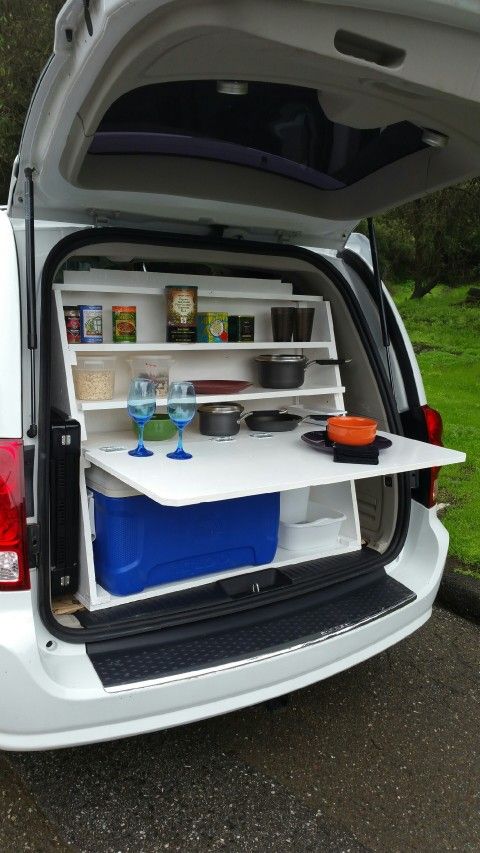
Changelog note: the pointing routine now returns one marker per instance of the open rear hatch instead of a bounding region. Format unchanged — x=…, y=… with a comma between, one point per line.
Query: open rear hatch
x=271, y=122
x=357, y=110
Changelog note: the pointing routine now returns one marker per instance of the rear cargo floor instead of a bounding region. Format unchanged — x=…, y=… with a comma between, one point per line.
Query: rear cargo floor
x=241, y=592
x=267, y=630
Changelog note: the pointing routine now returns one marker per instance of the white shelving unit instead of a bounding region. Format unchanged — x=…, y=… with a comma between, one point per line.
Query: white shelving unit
x=322, y=385
x=218, y=470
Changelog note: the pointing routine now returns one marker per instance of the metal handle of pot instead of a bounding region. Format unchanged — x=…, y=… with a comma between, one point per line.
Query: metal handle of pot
x=328, y=362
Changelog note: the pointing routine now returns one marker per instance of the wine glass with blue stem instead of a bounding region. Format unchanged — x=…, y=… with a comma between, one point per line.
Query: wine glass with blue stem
x=181, y=408
x=141, y=406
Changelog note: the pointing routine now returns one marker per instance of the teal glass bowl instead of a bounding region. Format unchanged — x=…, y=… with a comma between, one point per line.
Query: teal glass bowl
x=159, y=428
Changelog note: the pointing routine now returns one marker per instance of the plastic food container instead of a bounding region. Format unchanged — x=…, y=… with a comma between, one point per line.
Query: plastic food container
x=94, y=378
x=319, y=531
x=352, y=430
x=153, y=367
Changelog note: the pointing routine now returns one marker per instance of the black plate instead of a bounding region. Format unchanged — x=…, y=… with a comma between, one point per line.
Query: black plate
x=317, y=440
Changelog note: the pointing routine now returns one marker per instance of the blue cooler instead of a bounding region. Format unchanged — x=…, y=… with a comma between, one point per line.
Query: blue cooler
x=140, y=543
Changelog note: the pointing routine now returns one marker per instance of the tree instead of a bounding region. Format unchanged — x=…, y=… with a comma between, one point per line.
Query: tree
x=434, y=239
x=446, y=235
x=26, y=41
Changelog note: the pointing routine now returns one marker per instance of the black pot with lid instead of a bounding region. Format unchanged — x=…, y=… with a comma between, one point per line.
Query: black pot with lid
x=220, y=419
x=282, y=370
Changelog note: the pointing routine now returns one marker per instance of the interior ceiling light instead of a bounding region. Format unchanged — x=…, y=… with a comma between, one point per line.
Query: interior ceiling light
x=232, y=87
x=434, y=138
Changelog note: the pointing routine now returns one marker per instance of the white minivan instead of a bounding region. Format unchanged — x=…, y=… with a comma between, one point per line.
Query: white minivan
x=202, y=146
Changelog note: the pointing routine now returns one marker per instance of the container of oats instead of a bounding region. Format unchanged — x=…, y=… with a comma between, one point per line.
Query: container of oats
x=94, y=377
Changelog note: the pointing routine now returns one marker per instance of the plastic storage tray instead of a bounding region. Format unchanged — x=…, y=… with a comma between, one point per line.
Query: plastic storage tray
x=318, y=530
x=140, y=543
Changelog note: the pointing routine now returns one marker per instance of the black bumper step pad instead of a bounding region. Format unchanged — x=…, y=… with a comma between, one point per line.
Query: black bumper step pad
x=266, y=630
x=314, y=574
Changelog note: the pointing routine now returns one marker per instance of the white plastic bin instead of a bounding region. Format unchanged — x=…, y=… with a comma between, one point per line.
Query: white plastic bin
x=98, y=480
x=319, y=531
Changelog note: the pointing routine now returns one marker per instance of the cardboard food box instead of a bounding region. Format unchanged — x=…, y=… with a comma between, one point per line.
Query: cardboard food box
x=212, y=327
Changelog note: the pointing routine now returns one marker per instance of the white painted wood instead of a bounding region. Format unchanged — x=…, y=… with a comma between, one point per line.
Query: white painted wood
x=206, y=294
x=251, y=393
x=135, y=279
x=193, y=349
x=212, y=461
x=211, y=287
x=87, y=591
x=151, y=316
x=102, y=599
x=250, y=465
x=63, y=389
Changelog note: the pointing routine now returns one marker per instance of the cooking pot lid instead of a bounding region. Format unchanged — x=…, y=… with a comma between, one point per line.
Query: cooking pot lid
x=281, y=358
x=220, y=408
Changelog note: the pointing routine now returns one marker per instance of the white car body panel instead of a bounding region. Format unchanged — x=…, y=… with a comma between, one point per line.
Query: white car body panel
x=52, y=696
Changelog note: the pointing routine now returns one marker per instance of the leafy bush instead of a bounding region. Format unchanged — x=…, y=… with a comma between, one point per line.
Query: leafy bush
x=26, y=40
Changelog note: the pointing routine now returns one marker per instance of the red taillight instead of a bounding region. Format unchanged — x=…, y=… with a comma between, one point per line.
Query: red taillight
x=14, y=572
x=434, y=425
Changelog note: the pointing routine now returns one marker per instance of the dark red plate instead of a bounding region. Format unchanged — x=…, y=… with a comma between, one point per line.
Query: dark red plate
x=316, y=439
x=219, y=386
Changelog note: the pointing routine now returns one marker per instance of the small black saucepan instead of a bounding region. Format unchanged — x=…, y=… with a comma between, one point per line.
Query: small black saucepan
x=272, y=420
x=286, y=370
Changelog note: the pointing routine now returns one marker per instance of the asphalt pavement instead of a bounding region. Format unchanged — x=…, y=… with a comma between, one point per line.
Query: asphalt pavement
x=383, y=757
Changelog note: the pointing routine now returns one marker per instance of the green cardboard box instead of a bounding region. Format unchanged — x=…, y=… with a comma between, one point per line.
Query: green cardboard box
x=212, y=327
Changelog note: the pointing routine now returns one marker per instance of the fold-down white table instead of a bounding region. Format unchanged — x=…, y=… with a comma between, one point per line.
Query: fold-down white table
x=248, y=465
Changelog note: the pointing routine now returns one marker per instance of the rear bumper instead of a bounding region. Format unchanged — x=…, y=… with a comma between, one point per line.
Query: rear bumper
x=52, y=696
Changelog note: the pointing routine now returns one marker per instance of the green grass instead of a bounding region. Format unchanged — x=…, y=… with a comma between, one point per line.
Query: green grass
x=445, y=333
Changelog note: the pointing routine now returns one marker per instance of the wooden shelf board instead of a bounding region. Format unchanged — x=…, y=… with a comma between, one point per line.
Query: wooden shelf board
x=251, y=393
x=248, y=465
x=165, y=347
x=282, y=558
x=72, y=287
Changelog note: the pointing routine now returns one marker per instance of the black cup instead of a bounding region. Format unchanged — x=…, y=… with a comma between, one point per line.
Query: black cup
x=282, y=323
x=302, y=323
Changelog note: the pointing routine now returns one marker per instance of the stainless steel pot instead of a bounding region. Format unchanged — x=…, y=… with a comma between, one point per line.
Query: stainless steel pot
x=220, y=419
x=283, y=371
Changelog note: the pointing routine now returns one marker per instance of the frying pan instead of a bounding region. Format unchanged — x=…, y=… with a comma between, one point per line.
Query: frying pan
x=272, y=420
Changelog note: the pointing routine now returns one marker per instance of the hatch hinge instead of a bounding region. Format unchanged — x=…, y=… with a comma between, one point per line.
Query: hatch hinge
x=289, y=237
x=100, y=220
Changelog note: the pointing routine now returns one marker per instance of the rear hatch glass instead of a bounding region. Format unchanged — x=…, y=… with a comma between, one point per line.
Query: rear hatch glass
x=271, y=127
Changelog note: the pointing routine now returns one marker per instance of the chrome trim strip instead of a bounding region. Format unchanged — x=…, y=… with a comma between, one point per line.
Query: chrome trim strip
x=200, y=673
